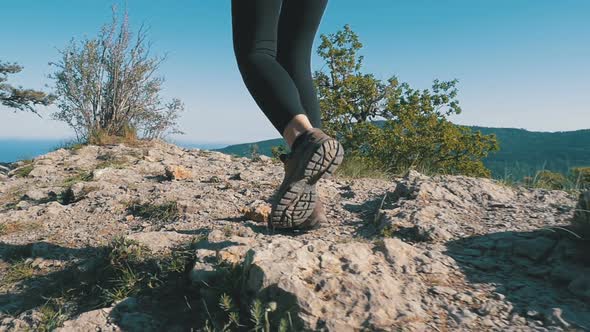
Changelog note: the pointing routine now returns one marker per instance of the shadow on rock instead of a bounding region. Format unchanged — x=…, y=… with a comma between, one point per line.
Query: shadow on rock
x=544, y=274
x=112, y=286
x=369, y=212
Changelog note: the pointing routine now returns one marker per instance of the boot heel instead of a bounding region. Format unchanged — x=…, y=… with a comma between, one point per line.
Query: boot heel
x=325, y=160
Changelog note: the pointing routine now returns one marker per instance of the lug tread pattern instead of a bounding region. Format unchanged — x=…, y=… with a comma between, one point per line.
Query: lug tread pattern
x=297, y=200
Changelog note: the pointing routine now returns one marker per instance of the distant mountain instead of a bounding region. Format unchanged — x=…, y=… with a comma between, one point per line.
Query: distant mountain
x=244, y=149
x=522, y=152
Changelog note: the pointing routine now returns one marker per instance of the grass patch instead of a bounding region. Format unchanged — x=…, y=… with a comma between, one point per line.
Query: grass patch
x=125, y=268
x=18, y=271
x=24, y=170
x=52, y=316
x=163, y=213
x=82, y=176
x=110, y=160
x=223, y=307
x=15, y=227
x=358, y=167
x=547, y=180
x=117, y=164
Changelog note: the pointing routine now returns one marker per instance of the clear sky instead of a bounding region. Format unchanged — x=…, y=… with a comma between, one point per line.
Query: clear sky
x=520, y=63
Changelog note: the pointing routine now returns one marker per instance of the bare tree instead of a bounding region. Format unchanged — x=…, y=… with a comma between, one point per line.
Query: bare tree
x=107, y=85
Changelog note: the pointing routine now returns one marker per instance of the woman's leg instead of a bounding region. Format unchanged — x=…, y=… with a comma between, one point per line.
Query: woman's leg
x=255, y=29
x=298, y=25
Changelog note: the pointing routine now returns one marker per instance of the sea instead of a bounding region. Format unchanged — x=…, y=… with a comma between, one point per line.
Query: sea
x=13, y=149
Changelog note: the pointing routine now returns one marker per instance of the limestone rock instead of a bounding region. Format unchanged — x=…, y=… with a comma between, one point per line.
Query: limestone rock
x=13, y=324
x=160, y=241
x=36, y=194
x=95, y=320
x=323, y=280
x=418, y=253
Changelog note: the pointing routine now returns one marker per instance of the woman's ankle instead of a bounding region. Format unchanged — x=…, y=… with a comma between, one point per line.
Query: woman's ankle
x=297, y=126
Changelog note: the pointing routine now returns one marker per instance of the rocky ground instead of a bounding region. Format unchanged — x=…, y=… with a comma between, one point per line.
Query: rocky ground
x=156, y=237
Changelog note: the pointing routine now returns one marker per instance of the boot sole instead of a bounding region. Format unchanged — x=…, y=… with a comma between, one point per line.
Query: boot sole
x=297, y=195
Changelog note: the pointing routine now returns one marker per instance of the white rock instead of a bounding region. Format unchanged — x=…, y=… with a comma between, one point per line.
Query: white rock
x=160, y=241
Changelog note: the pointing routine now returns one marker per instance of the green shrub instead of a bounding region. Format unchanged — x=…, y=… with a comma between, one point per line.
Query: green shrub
x=416, y=132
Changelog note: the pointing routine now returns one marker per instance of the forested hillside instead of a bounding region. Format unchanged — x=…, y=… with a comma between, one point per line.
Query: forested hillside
x=522, y=152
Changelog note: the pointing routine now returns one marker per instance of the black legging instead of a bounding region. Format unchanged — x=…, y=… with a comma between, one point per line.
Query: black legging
x=272, y=42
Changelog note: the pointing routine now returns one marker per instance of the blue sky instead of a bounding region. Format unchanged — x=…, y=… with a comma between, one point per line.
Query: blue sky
x=520, y=63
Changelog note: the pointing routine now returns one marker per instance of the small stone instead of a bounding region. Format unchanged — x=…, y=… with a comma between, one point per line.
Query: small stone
x=258, y=211
x=177, y=172
x=517, y=319
x=245, y=192
x=463, y=316
x=236, y=176
x=556, y=317
x=35, y=194
x=488, y=322
x=442, y=290
x=533, y=314
x=95, y=320
x=463, y=297
x=488, y=308
x=23, y=205
x=213, y=179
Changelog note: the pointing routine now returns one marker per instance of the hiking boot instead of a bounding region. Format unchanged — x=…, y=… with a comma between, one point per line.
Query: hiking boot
x=315, y=156
x=318, y=215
